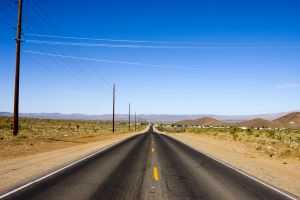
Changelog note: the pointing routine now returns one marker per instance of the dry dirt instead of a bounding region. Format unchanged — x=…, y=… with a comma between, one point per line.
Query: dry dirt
x=29, y=160
x=282, y=173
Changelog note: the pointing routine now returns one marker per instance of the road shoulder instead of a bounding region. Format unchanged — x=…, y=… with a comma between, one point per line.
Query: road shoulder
x=278, y=172
x=20, y=170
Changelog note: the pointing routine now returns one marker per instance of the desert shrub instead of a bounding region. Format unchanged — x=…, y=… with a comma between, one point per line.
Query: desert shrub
x=285, y=153
x=258, y=147
x=233, y=132
x=271, y=151
x=249, y=131
x=270, y=134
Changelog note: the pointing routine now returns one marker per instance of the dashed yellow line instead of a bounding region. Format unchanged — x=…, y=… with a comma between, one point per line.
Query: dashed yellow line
x=152, y=150
x=155, y=173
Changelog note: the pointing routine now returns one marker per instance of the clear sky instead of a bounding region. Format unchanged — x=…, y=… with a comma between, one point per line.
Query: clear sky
x=192, y=57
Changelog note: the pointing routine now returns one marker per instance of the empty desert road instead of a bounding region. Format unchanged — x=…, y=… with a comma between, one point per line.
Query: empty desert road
x=148, y=166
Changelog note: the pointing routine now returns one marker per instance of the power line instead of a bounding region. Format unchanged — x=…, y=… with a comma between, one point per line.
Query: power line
x=220, y=44
x=110, y=40
x=117, y=45
x=147, y=46
x=74, y=50
x=11, y=4
x=49, y=69
x=5, y=22
x=111, y=61
x=81, y=72
x=72, y=69
x=74, y=72
x=8, y=13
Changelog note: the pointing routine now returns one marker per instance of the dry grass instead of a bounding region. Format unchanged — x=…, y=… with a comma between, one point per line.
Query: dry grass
x=40, y=135
x=272, y=143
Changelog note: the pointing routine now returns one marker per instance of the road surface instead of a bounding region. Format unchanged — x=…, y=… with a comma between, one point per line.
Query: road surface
x=148, y=166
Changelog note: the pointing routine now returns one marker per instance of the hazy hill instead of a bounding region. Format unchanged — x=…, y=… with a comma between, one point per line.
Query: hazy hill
x=289, y=120
x=151, y=117
x=258, y=122
x=208, y=121
x=204, y=121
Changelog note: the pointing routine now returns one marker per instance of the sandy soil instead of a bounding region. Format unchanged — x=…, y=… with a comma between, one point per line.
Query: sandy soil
x=43, y=157
x=282, y=173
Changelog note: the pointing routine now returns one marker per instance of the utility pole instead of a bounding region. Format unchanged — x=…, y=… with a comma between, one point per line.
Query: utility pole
x=17, y=76
x=129, y=118
x=135, y=121
x=114, y=100
x=138, y=123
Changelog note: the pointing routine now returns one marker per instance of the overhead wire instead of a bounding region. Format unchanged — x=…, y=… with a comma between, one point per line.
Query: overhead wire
x=146, y=46
x=68, y=68
x=78, y=65
x=50, y=70
x=9, y=18
x=72, y=69
x=7, y=13
x=9, y=4
x=110, y=40
x=5, y=22
x=110, y=61
x=6, y=19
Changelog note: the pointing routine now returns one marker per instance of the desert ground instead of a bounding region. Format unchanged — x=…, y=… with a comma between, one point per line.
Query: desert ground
x=44, y=145
x=270, y=155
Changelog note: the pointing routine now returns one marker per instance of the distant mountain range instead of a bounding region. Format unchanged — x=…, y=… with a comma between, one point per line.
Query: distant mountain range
x=287, y=121
x=150, y=117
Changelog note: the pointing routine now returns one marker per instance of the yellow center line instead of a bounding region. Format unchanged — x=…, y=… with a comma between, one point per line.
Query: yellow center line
x=155, y=173
x=152, y=150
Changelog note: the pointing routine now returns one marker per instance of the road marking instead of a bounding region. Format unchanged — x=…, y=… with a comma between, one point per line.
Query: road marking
x=241, y=172
x=152, y=150
x=63, y=168
x=155, y=173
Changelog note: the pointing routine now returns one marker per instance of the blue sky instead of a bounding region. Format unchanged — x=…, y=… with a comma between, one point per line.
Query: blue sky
x=223, y=57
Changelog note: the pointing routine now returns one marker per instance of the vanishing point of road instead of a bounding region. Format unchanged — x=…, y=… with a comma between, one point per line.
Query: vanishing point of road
x=148, y=166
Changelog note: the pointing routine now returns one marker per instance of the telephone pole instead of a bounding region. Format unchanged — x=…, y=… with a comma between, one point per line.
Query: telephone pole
x=129, y=118
x=135, y=121
x=138, y=123
x=114, y=100
x=17, y=76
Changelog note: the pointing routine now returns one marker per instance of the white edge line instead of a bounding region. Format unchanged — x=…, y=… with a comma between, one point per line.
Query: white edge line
x=63, y=168
x=249, y=176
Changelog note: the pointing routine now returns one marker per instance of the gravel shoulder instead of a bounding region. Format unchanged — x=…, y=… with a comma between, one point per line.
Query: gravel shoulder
x=16, y=171
x=281, y=173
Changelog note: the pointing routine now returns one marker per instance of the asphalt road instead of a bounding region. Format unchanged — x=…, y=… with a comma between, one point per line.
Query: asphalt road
x=148, y=166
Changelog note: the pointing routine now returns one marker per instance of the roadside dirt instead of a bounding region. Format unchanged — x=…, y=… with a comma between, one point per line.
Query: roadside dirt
x=282, y=173
x=25, y=161
x=21, y=148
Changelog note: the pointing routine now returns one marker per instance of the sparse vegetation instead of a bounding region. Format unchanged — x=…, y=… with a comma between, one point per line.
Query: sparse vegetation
x=281, y=143
x=43, y=132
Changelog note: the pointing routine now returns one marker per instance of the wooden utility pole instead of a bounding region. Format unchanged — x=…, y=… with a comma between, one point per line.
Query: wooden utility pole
x=134, y=121
x=114, y=100
x=17, y=76
x=138, y=123
x=129, y=118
